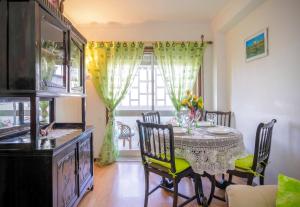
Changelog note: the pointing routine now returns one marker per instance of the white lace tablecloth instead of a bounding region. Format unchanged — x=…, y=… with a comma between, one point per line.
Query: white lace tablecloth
x=209, y=152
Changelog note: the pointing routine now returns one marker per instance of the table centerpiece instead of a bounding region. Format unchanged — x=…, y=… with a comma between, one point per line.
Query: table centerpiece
x=195, y=106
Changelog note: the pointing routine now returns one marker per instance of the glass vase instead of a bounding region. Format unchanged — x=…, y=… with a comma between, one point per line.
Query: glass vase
x=190, y=122
x=179, y=118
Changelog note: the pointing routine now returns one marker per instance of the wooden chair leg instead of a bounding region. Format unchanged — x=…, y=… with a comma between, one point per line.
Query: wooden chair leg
x=198, y=188
x=250, y=180
x=213, y=186
x=230, y=178
x=146, y=188
x=175, y=195
x=262, y=178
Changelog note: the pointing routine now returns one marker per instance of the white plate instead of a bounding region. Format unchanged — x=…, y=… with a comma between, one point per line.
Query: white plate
x=219, y=130
x=204, y=124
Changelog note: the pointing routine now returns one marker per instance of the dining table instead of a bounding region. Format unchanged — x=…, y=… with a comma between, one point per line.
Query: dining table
x=211, y=150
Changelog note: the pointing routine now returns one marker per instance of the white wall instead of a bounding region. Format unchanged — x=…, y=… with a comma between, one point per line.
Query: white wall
x=232, y=13
x=95, y=115
x=147, y=31
x=68, y=110
x=268, y=88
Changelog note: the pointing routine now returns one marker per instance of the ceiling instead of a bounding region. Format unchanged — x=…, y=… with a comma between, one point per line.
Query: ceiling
x=139, y=11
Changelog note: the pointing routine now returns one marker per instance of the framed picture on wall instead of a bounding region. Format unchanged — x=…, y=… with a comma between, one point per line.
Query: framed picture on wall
x=256, y=46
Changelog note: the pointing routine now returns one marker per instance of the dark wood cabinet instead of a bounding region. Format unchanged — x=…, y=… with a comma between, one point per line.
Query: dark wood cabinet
x=48, y=178
x=76, y=62
x=22, y=51
x=67, y=188
x=44, y=51
x=41, y=60
x=74, y=171
x=3, y=44
x=85, y=162
x=53, y=53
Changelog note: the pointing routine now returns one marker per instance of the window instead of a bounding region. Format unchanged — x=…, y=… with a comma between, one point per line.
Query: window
x=148, y=91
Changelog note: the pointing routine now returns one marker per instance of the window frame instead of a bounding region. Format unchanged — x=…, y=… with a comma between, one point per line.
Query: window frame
x=199, y=88
x=137, y=112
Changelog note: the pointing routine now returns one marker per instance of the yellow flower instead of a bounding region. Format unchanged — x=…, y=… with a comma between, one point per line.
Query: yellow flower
x=189, y=105
x=184, y=102
x=195, y=98
x=200, y=103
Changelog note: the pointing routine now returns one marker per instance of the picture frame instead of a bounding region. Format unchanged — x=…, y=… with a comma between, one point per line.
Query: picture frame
x=256, y=46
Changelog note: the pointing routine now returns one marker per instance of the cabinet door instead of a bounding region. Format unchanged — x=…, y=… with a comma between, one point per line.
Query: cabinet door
x=53, y=54
x=85, y=161
x=3, y=43
x=22, y=48
x=67, y=178
x=76, y=65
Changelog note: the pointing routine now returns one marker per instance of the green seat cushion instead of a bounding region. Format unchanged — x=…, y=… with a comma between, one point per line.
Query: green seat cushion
x=288, y=193
x=180, y=163
x=244, y=163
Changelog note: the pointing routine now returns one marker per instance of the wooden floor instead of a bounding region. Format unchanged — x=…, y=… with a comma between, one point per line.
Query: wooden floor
x=122, y=185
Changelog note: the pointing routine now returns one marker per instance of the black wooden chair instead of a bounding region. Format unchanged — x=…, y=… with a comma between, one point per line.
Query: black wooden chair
x=154, y=117
x=151, y=117
x=255, y=165
x=157, y=151
x=218, y=117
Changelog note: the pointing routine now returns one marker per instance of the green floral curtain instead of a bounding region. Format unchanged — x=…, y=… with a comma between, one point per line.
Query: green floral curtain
x=112, y=66
x=179, y=64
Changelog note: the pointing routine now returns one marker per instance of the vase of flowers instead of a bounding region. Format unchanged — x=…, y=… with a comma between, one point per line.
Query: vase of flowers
x=195, y=105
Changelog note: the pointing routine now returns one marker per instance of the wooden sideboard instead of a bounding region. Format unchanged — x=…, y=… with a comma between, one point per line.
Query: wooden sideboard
x=41, y=60
x=56, y=177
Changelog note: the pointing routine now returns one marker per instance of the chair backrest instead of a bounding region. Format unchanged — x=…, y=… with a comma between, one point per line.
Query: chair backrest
x=263, y=144
x=125, y=130
x=151, y=117
x=218, y=117
x=157, y=142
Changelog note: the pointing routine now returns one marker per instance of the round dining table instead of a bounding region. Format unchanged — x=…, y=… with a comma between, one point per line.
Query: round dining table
x=209, y=150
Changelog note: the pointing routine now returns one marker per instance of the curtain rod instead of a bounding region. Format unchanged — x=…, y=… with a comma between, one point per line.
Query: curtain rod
x=149, y=43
